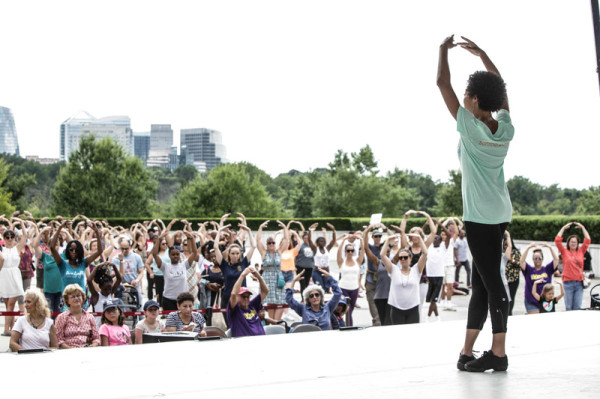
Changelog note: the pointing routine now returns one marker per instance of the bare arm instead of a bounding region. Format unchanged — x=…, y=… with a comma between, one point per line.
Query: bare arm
x=443, y=77
x=333, y=238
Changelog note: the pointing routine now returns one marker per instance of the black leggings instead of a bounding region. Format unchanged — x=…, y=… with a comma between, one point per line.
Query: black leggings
x=512, y=288
x=383, y=310
x=306, y=278
x=489, y=291
x=408, y=316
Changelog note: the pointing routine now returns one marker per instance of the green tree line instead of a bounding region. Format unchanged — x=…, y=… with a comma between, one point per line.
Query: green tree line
x=101, y=180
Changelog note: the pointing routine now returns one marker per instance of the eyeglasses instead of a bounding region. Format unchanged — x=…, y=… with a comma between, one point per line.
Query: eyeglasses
x=314, y=295
x=537, y=258
x=75, y=296
x=403, y=257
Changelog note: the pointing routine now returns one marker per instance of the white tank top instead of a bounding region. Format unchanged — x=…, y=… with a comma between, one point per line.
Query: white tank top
x=349, y=280
x=321, y=259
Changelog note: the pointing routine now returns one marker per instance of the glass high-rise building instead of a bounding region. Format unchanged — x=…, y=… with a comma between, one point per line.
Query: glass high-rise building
x=141, y=145
x=9, y=142
x=82, y=124
x=204, y=145
x=161, y=137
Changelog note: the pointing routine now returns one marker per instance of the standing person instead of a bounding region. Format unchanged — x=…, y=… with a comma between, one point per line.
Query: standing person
x=536, y=272
x=174, y=272
x=233, y=263
x=322, y=257
x=404, y=294
x=154, y=271
x=372, y=265
x=305, y=260
x=53, y=285
x=272, y=267
x=436, y=254
x=461, y=250
x=572, y=258
x=350, y=272
x=130, y=264
x=382, y=284
x=484, y=143
x=11, y=284
x=512, y=269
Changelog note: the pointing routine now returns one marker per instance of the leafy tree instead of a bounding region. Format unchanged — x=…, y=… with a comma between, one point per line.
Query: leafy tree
x=589, y=203
x=185, y=174
x=450, y=196
x=226, y=188
x=364, y=161
x=524, y=195
x=5, y=205
x=100, y=180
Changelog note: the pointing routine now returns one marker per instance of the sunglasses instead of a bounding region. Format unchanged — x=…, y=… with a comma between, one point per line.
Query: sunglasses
x=270, y=242
x=403, y=257
x=9, y=236
x=537, y=258
x=72, y=249
x=314, y=295
x=349, y=251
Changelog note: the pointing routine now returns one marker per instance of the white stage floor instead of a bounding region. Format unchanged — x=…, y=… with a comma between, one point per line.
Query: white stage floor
x=554, y=354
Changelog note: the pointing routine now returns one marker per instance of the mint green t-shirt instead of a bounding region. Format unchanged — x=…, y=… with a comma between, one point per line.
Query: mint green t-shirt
x=481, y=153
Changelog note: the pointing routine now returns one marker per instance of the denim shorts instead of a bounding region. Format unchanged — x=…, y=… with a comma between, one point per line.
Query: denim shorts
x=531, y=307
x=288, y=276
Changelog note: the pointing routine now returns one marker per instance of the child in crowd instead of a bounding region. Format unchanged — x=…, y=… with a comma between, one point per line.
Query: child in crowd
x=151, y=324
x=103, y=286
x=113, y=332
x=337, y=317
x=547, y=302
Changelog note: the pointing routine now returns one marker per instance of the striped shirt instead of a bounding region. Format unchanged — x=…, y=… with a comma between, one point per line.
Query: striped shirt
x=173, y=320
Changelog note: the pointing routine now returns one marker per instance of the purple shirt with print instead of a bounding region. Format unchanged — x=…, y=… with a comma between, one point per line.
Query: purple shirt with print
x=531, y=275
x=245, y=322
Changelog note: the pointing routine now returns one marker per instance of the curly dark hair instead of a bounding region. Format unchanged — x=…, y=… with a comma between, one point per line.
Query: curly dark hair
x=489, y=88
x=103, y=276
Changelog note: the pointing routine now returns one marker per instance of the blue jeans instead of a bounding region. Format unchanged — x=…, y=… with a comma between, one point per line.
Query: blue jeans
x=54, y=301
x=288, y=276
x=318, y=279
x=573, y=294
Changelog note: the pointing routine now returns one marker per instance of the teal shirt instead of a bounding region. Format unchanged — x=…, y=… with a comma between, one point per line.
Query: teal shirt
x=481, y=153
x=52, y=278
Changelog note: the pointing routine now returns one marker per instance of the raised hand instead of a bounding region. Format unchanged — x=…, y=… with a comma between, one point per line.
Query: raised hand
x=470, y=46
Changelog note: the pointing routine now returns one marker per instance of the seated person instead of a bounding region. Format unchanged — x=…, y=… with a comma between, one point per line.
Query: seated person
x=242, y=312
x=35, y=330
x=151, y=324
x=184, y=319
x=314, y=308
x=337, y=317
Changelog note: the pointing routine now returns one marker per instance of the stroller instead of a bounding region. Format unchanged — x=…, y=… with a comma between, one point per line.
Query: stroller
x=595, y=297
x=132, y=303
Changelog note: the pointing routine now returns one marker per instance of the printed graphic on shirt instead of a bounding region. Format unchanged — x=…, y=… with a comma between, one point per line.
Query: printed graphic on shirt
x=250, y=315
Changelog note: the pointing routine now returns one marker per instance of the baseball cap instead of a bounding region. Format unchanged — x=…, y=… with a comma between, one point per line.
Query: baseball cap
x=243, y=290
x=112, y=303
x=151, y=303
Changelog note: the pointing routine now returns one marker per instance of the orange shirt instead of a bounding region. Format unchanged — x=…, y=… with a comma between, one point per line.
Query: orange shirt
x=288, y=260
x=572, y=261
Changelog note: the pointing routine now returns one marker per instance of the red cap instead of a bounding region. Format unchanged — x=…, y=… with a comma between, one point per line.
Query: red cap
x=243, y=290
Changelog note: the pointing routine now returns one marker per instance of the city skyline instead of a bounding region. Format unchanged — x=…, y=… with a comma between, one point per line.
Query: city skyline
x=290, y=83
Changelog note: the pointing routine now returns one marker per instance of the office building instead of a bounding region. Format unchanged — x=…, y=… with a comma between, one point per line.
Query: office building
x=9, y=143
x=161, y=137
x=83, y=124
x=141, y=145
x=203, y=145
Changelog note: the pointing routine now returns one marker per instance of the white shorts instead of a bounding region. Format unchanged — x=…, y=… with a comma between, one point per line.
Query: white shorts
x=449, y=274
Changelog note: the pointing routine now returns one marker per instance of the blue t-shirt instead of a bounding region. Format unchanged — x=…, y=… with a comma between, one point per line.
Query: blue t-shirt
x=72, y=275
x=481, y=154
x=53, y=281
x=231, y=273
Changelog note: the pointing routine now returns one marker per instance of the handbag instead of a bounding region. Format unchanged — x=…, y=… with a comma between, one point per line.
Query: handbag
x=280, y=279
x=218, y=318
x=586, y=281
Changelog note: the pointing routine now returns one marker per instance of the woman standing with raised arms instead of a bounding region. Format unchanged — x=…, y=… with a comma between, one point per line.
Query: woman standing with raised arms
x=484, y=143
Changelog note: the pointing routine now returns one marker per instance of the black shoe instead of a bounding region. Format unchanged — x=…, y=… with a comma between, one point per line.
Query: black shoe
x=487, y=361
x=462, y=360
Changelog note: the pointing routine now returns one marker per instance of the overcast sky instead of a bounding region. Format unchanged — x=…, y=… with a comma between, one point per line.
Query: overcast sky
x=288, y=83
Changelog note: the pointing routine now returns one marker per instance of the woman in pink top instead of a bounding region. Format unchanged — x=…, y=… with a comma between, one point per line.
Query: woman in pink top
x=76, y=328
x=572, y=258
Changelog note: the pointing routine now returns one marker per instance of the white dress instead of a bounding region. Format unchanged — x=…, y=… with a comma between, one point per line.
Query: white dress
x=11, y=284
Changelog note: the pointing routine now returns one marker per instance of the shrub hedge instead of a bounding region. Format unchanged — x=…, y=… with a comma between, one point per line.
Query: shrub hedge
x=539, y=228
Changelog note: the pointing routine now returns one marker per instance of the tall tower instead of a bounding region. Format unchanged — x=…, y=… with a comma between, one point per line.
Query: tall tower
x=204, y=145
x=9, y=142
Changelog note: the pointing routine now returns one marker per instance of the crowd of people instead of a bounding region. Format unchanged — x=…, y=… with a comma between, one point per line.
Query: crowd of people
x=82, y=266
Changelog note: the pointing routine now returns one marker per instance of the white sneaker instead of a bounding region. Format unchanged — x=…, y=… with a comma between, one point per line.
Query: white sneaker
x=451, y=307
